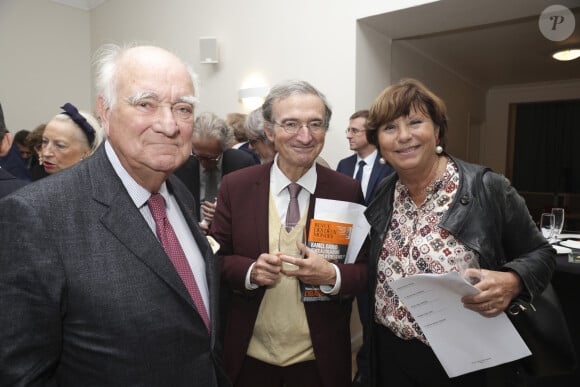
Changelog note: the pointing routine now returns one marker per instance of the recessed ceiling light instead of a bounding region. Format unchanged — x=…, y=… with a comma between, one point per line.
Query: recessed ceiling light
x=567, y=54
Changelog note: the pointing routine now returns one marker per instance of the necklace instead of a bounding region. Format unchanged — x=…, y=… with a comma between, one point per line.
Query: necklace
x=419, y=197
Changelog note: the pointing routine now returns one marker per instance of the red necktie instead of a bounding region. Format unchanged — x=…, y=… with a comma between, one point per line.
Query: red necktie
x=293, y=213
x=173, y=249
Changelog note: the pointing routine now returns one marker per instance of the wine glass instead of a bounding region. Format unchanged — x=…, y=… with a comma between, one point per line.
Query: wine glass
x=468, y=267
x=558, y=222
x=547, y=222
x=289, y=241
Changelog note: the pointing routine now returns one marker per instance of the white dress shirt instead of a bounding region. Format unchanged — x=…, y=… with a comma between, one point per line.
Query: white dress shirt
x=140, y=195
x=278, y=184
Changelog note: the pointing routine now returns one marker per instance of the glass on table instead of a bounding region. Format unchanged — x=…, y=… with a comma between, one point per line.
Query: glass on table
x=558, y=222
x=469, y=269
x=547, y=225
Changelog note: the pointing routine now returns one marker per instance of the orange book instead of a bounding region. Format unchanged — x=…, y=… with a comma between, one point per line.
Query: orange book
x=329, y=240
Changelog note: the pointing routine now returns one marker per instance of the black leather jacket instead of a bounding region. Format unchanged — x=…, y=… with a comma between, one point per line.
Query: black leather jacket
x=487, y=215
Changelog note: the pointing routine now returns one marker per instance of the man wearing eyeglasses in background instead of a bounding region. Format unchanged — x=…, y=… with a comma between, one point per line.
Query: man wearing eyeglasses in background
x=210, y=161
x=365, y=166
x=272, y=337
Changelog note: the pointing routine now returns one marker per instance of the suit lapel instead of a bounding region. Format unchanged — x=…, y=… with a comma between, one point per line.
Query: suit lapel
x=351, y=163
x=120, y=211
x=375, y=172
x=259, y=205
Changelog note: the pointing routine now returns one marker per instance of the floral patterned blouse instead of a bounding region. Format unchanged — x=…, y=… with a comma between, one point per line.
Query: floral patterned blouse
x=415, y=244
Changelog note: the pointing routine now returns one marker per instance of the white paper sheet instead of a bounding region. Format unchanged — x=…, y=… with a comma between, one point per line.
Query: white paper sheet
x=346, y=212
x=463, y=340
x=571, y=243
x=565, y=236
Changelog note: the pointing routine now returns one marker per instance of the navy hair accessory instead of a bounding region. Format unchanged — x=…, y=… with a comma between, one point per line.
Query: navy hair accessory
x=71, y=111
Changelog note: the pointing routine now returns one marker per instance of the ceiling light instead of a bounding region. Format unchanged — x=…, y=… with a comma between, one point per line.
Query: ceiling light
x=253, y=97
x=567, y=54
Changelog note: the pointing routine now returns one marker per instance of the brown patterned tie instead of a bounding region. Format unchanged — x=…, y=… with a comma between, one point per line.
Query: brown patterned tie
x=173, y=249
x=293, y=213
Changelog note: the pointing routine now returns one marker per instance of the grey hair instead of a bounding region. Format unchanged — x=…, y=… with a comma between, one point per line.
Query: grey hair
x=99, y=132
x=255, y=126
x=286, y=89
x=208, y=124
x=106, y=61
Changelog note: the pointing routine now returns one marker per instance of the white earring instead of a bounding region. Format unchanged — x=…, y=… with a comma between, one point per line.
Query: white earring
x=438, y=149
x=382, y=161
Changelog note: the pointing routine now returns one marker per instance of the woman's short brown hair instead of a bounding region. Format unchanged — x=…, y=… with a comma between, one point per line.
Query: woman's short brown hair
x=397, y=101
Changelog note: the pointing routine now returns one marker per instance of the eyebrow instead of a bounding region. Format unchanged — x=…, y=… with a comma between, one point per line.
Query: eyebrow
x=133, y=99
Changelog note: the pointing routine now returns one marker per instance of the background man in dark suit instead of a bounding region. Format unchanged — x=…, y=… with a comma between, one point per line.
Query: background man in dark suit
x=212, y=159
x=9, y=183
x=365, y=166
x=372, y=170
x=272, y=338
x=10, y=158
x=89, y=295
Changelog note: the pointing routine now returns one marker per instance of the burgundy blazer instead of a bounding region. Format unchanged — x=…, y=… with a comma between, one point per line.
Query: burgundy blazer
x=241, y=227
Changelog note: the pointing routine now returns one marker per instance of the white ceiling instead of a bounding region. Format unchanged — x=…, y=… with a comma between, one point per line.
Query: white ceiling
x=87, y=5
x=488, y=42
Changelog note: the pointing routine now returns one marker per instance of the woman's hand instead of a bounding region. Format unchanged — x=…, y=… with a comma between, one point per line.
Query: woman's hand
x=498, y=289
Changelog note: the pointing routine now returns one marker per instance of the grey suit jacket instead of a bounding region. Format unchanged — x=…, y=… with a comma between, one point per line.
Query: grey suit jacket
x=88, y=297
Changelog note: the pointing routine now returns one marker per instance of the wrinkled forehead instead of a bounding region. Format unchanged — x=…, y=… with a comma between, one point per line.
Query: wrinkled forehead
x=153, y=70
x=296, y=106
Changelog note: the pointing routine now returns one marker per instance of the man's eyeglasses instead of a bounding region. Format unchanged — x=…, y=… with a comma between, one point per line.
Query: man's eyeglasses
x=354, y=131
x=208, y=158
x=292, y=127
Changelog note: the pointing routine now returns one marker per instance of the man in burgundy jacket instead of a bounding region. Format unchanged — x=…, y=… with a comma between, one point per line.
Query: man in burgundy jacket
x=272, y=338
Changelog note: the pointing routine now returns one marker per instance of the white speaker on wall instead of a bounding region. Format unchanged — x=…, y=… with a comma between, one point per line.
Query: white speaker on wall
x=208, y=50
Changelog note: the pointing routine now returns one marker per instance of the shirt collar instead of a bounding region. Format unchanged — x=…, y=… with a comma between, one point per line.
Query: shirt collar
x=369, y=160
x=279, y=181
x=138, y=194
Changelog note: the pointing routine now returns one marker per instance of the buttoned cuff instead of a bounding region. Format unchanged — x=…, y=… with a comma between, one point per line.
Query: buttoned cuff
x=333, y=290
x=249, y=284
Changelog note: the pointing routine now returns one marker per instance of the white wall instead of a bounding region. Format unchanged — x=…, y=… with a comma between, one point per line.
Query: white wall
x=498, y=100
x=373, y=65
x=310, y=40
x=47, y=49
x=45, y=61
x=465, y=102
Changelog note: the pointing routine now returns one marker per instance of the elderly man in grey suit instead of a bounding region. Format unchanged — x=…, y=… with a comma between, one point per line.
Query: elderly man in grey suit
x=106, y=278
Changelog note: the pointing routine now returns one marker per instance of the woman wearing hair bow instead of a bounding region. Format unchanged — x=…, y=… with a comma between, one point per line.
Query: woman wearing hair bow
x=68, y=138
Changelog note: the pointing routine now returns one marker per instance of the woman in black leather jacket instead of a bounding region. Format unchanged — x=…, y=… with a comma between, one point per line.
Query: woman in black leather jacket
x=437, y=214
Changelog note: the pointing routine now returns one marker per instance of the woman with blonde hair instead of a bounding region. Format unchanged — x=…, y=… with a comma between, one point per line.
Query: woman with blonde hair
x=68, y=138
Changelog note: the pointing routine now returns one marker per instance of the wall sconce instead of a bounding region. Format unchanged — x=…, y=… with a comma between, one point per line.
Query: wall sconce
x=253, y=97
x=208, y=51
x=567, y=54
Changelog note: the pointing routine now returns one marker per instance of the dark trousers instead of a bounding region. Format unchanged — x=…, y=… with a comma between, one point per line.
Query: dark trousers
x=410, y=363
x=256, y=373
x=362, y=361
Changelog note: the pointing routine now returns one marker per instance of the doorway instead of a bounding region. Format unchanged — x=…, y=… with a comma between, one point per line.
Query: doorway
x=543, y=160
